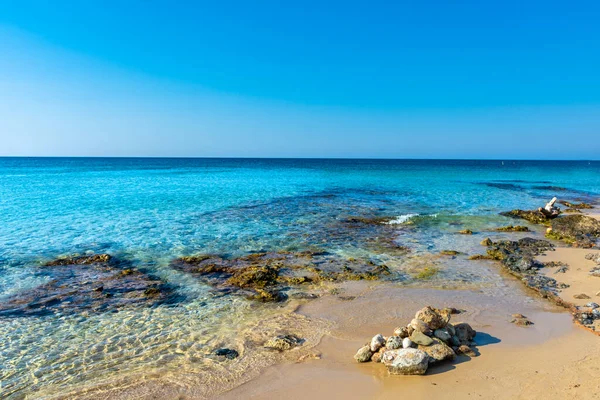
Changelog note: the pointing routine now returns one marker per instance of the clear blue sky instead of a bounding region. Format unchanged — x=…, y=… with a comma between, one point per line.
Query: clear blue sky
x=425, y=79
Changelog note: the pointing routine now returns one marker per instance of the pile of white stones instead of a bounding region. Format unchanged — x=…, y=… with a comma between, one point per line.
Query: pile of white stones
x=428, y=339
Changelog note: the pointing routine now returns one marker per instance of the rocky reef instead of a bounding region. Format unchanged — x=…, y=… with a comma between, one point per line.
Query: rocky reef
x=578, y=230
x=91, y=283
x=576, y=206
x=429, y=338
x=518, y=257
x=266, y=276
x=513, y=228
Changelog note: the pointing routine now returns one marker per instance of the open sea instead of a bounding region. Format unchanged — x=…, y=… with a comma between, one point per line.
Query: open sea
x=148, y=212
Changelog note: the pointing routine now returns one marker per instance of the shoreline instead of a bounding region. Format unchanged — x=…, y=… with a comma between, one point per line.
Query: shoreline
x=552, y=362
x=325, y=363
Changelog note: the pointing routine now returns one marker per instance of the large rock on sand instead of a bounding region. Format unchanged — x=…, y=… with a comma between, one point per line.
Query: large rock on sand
x=406, y=361
x=434, y=318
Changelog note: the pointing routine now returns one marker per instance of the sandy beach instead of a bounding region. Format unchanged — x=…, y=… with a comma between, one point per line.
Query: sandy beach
x=553, y=358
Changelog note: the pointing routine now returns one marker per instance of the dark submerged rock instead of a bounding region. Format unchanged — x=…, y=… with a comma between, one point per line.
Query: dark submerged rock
x=92, y=283
x=81, y=260
x=229, y=354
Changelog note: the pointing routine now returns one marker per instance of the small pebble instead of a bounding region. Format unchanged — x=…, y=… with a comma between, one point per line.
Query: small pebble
x=406, y=343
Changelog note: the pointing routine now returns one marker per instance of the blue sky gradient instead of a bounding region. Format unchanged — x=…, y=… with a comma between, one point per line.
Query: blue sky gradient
x=279, y=79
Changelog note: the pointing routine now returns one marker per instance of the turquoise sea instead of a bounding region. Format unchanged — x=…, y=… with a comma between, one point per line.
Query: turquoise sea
x=150, y=211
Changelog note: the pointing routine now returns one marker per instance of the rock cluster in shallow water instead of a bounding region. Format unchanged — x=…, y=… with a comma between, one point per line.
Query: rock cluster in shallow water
x=264, y=276
x=429, y=338
x=90, y=283
x=533, y=216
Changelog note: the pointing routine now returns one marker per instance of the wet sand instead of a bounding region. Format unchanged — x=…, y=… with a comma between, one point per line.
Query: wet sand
x=550, y=359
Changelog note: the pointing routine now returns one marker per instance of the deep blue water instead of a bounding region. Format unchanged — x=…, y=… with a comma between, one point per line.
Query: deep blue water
x=150, y=211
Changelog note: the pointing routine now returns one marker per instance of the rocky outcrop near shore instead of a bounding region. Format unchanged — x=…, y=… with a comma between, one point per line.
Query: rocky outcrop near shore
x=518, y=257
x=266, y=276
x=90, y=283
x=429, y=338
x=578, y=230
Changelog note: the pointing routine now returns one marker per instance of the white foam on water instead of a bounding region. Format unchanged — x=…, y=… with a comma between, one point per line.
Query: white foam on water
x=401, y=219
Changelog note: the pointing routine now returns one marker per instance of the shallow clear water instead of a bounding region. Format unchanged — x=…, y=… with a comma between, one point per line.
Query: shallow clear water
x=150, y=211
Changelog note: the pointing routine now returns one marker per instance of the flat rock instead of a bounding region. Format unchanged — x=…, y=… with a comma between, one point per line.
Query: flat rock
x=406, y=361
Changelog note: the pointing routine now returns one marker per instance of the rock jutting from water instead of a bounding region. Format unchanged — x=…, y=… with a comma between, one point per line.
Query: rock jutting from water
x=429, y=338
x=92, y=283
x=543, y=215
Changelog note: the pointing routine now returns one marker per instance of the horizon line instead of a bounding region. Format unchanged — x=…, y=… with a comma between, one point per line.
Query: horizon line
x=305, y=158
